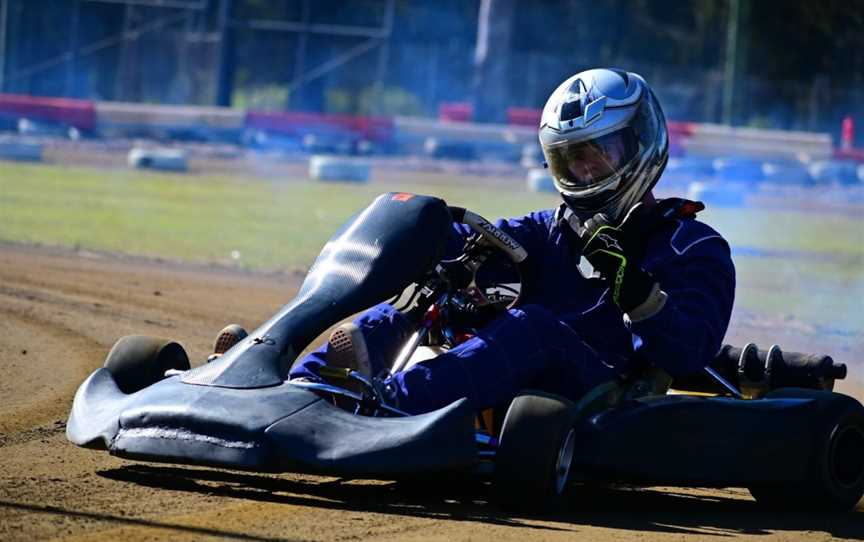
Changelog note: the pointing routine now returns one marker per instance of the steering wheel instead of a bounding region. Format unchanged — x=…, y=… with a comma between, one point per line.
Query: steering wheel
x=453, y=279
x=489, y=235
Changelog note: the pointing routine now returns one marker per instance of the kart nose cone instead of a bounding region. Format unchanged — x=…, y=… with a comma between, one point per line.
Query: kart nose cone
x=184, y=445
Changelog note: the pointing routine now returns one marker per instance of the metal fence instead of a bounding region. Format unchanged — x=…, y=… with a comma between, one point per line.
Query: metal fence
x=171, y=57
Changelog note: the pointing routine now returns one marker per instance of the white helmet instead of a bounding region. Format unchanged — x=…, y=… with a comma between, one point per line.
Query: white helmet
x=605, y=141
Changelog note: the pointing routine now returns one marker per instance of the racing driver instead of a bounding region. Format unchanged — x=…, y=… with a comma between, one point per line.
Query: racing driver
x=616, y=280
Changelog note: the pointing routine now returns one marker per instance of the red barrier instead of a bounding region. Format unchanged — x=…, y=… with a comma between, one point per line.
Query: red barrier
x=847, y=133
x=678, y=133
x=456, y=111
x=524, y=116
x=78, y=113
x=298, y=123
x=851, y=153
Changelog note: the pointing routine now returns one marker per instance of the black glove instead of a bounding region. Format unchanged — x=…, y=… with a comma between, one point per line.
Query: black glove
x=613, y=251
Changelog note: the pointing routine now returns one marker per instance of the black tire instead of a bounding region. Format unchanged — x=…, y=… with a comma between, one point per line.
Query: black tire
x=532, y=463
x=137, y=361
x=834, y=480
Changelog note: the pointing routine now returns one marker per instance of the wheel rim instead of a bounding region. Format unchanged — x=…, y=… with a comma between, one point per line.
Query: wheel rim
x=565, y=457
x=847, y=451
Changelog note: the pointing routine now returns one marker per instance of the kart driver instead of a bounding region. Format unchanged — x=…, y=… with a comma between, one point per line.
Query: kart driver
x=660, y=292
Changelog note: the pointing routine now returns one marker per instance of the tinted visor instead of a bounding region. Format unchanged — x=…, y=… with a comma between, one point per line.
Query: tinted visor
x=586, y=164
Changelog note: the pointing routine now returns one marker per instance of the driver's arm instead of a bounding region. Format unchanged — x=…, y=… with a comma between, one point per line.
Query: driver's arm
x=683, y=337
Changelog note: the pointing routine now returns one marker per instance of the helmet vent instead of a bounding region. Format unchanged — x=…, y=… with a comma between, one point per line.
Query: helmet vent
x=578, y=87
x=571, y=110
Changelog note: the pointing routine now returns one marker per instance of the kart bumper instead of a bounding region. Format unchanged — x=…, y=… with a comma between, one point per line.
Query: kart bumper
x=277, y=428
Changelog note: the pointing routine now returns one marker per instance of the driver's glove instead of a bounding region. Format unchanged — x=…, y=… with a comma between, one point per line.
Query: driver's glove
x=612, y=251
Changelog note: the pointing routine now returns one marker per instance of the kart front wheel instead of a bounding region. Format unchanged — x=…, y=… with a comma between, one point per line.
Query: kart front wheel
x=834, y=481
x=538, y=438
x=137, y=361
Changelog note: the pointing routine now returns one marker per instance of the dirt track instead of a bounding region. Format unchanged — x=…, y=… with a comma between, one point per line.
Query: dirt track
x=60, y=313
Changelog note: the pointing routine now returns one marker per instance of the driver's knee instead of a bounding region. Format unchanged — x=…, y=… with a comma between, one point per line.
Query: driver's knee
x=385, y=330
x=535, y=314
x=529, y=332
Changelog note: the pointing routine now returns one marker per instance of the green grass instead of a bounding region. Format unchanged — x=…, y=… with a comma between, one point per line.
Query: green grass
x=282, y=225
x=792, y=230
x=201, y=218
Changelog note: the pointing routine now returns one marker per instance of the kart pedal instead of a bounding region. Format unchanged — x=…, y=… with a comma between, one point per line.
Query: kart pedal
x=228, y=337
x=334, y=373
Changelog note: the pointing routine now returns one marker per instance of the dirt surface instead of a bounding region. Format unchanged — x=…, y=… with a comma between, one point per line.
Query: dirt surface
x=61, y=311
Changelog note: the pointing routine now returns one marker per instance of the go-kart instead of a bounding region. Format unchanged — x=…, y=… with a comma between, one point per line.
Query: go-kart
x=765, y=420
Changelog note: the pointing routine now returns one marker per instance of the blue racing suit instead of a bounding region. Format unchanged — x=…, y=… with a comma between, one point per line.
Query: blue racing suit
x=567, y=335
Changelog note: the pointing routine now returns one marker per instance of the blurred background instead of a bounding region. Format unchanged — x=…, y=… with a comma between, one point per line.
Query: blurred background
x=125, y=123
x=785, y=64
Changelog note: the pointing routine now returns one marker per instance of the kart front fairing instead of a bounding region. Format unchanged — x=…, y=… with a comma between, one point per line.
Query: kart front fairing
x=240, y=411
x=276, y=428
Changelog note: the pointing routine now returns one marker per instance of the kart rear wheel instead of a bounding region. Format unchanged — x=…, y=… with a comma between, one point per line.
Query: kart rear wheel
x=835, y=476
x=137, y=361
x=538, y=438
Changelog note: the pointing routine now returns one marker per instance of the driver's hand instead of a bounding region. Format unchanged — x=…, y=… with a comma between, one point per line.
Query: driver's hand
x=613, y=251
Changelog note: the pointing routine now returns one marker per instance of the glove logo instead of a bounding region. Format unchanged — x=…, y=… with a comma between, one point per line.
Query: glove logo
x=609, y=241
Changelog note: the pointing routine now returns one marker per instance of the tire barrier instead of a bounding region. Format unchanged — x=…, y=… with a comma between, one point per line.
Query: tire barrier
x=718, y=140
x=410, y=134
x=404, y=134
x=718, y=194
x=789, y=172
x=737, y=169
x=337, y=168
x=157, y=158
x=328, y=126
x=834, y=172
x=189, y=123
x=20, y=149
x=539, y=180
x=685, y=170
x=449, y=150
x=29, y=127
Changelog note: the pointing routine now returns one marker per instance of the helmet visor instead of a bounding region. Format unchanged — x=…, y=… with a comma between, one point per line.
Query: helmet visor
x=587, y=164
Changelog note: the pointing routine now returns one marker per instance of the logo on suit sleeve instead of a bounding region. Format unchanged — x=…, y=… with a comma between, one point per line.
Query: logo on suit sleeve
x=609, y=241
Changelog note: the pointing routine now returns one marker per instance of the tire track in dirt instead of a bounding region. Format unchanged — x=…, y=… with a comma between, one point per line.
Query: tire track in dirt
x=42, y=363
x=58, y=305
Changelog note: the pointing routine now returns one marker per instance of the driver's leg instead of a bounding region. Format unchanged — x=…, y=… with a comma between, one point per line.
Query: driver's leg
x=524, y=348
x=385, y=331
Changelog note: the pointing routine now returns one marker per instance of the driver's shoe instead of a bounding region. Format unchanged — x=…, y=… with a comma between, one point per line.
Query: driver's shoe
x=227, y=338
x=346, y=349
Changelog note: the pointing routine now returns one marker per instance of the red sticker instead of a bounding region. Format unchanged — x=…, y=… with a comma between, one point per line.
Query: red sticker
x=402, y=196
